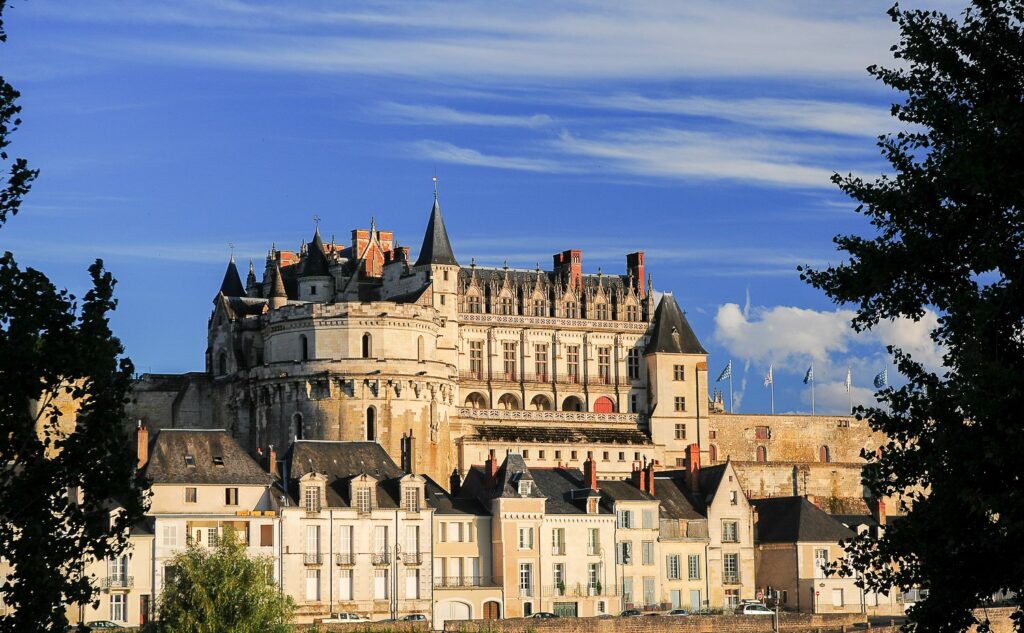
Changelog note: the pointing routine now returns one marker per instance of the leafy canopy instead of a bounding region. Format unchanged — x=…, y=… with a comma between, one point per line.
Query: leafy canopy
x=949, y=237
x=222, y=589
x=56, y=355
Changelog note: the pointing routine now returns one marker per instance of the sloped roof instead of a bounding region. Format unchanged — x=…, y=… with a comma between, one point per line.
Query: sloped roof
x=277, y=287
x=216, y=458
x=793, y=519
x=677, y=502
x=315, y=262
x=436, y=248
x=672, y=332
x=232, y=286
x=562, y=434
x=340, y=462
x=444, y=503
x=613, y=490
x=565, y=491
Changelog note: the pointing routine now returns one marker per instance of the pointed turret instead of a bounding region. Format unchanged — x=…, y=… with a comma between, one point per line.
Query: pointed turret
x=278, y=296
x=436, y=248
x=315, y=263
x=232, y=284
x=672, y=332
x=252, y=287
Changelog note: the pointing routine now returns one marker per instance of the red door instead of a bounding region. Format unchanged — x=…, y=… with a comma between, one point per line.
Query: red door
x=604, y=405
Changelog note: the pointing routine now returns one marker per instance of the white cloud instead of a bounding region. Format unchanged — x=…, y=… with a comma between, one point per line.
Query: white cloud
x=785, y=114
x=439, y=115
x=449, y=153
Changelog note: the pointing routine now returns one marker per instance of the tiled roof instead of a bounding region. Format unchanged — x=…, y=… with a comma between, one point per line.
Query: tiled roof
x=672, y=332
x=213, y=458
x=793, y=519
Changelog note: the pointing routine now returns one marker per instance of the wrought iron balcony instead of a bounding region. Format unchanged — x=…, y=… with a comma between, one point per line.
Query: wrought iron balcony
x=412, y=558
x=345, y=559
x=312, y=559
x=464, y=581
x=383, y=558
x=118, y=582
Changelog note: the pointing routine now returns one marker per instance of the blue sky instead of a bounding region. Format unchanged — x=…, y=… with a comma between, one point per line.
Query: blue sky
x=703, y=133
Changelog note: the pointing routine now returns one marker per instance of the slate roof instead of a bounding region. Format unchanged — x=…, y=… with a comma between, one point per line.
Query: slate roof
x=526, y=279
x=232, y=284
x=238, y=307
x=436, y=248
x=565, y=491
x=677, y=502
x=277, y=286
x=315, y=264
x=672, y=332
x=167, y=464
x=340, y=462
x=613, y=490
x=793, y=519
x=562, y=434
x=444, y=503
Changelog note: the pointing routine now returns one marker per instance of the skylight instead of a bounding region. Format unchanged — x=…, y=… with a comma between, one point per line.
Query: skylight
x=190, y=461
x=218, y=460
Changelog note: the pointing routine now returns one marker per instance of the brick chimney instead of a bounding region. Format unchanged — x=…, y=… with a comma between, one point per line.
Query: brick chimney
x=570, y=261
x=455, y=482
x=638, y=477
x=590, y=472
x=878, y=511
x=693, y=467
x=408, y=448
x=650, y=478
x=272, y=461
x=141, y=445
x=635, y=268
x=491, y=469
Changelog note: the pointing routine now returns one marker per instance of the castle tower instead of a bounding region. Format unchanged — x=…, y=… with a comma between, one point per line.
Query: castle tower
x=315, y=281
x=436, y=257
x=277, y=294
x=232, y=284
x=678, y=384
x=252, y=287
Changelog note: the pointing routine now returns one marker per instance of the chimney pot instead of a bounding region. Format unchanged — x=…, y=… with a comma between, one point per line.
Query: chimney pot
x=455, y=482
x=271, y=460
x=693, y=467
x=141, y=445
x=650, y=478
x=491, y=467
x=590, y=473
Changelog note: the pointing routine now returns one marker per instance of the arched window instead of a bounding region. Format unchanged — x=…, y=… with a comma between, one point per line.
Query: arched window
x=604, y=404
x=222, y=364
x=476, y=401
x=509, y=402
x=367, y=345
x=824, y=455
x=371, y=424
x=572, y=403
x=713, y=453
x=540, y=403
x=304, y=344
x=297, y=430
x=419, y=349
x=762, y=454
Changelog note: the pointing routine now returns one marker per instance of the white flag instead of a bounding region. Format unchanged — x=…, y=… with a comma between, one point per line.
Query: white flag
x=849, y=381
x=768, y=380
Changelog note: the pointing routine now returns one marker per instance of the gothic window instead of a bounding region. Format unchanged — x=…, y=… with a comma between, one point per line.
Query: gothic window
x=539, y=308
x=505, y=305
x=304, y=344
x=509, y=360
x=633, y=364
x=476, y=359
x=632, y=312
x=367, y=345
x=572, y=310
x=602, y=311
x=604, y=364
x=572, y=363
x=222, y=364
x=540, y=360
x=371, y=424
x=474, y=304
x=297, y=430
x=824, y=455
x=762, y=454
x=713, y=453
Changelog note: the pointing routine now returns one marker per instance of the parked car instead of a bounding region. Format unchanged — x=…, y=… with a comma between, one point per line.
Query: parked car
x=99, y=625
x=415, y=617
x=630, y=613
x=754, y=609
x=337, y=618
x=544, y=615
x=678, y=612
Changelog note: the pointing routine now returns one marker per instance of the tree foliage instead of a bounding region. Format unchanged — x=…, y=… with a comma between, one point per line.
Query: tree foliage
x=222, y=589
x=950, y=238
x=54, y=351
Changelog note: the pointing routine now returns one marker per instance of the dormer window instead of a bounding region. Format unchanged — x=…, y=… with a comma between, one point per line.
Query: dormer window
x=411, y=499
x=592, y=505
x=525, y=487
x=312, y=498
x=190, y=461
x=363, y=499
x=218, y=460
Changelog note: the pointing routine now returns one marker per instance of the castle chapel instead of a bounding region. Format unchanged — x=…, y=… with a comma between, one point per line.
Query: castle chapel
x=369, y=341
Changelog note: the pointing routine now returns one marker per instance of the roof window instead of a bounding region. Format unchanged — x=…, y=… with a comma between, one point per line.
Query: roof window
x=190, y=461
x=218, y=460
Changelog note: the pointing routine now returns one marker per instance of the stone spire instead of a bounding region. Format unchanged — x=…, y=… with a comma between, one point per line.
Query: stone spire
x=232, y=284
x=251, y=286
x=278, y=296
x=436, y=248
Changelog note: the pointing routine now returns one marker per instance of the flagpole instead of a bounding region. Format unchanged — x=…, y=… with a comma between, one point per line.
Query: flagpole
x=849, y=389
x=730, y=386
x=812, y=394
x=773, y=387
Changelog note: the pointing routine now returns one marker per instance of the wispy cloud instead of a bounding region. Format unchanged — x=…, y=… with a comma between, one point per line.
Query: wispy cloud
x=449, y=153
x=783, y=114
x=439, y=115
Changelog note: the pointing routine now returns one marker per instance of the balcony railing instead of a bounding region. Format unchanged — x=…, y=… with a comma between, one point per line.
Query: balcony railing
x=383, y=558
x=345, y=559
x=464, y=581
x=472, y=375
x=521, y=415
x=731, y=579
x=118, y=582
x=312, y=559
x=412, y=558
x=579, y=590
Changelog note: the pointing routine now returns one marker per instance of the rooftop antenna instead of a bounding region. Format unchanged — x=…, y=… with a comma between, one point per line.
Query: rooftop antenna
x=435, y=184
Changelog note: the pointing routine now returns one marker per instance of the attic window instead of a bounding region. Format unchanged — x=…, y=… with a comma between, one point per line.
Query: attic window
x=190, y=461
x=218, y=460
x=525, y=487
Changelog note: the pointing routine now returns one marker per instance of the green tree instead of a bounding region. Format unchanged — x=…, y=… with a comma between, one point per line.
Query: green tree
x=52, y=348
x=949, y=236
x=222, y=589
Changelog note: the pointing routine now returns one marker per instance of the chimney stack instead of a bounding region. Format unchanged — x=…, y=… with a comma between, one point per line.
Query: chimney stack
x=408, y=448
x=141, y=445
x=878, y=511
x=491, y=468
x=590, y=472
x=650, y=478
x=635, y=268
x=693, y=467
x=639, y=477
x=455, y=483
x=272, y=461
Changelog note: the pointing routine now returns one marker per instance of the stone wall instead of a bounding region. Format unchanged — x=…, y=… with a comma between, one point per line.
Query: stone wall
x=663, y=624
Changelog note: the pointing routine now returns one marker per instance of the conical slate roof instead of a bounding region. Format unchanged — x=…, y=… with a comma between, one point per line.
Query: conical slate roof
x=232, y=284
x=672, y=333
x=436, y=248
x=315, y=263
x=277, y=282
